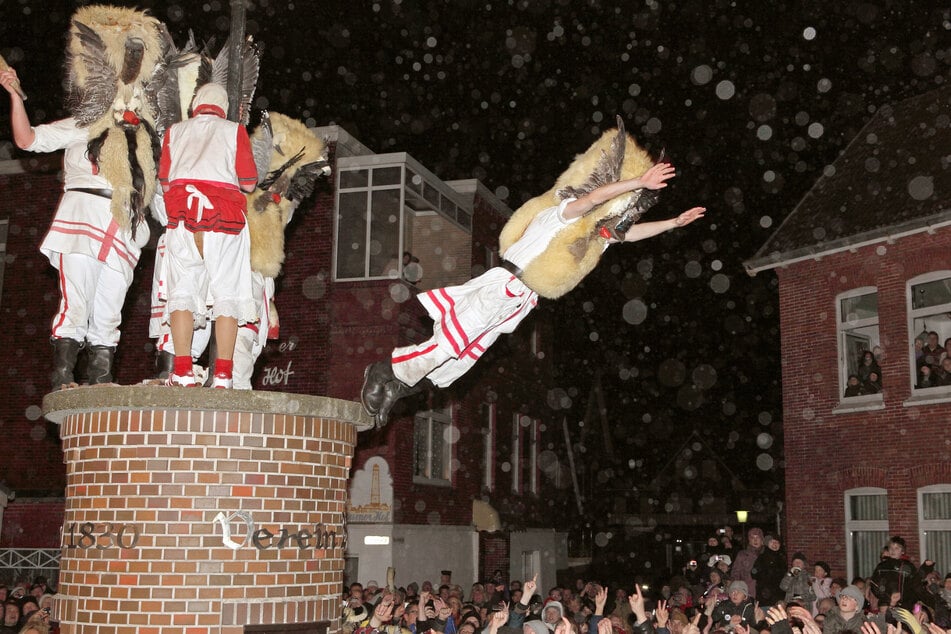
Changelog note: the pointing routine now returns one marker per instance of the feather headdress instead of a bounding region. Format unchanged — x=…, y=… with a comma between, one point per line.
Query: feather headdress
x=290, y=158
x=576, y=249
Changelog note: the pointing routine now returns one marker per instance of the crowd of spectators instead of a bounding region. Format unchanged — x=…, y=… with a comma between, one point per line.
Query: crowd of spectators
x=27, y=607
x=730, y=589
x=933, y=362
x=867, y=378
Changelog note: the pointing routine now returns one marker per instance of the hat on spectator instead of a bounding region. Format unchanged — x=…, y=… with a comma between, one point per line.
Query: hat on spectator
x=678, y=616
x=800, y=555
x=755, y=531
x=824, y=566
x=448, y=573
x=769, y=538
x=412, y=585
x=372, y=584
x=538, y=627
x=17, y=593
x=947, y=576
x=853, y=592
x=739, y=586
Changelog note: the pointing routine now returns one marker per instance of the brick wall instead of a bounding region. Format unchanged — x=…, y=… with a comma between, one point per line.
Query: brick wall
x=32, y=523
x=142, y=547
x=899, y=448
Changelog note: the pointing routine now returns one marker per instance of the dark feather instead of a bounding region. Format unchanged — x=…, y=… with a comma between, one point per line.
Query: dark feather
x=163, y=89
x=277, y=173
x=91, y=101
x=608, y=169
x=303, y=183
x=250, y=69
x=261, y=142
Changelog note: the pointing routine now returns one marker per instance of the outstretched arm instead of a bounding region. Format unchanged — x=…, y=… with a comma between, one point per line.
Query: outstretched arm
x=23, y=134
x=654, y=178
x=643, y=230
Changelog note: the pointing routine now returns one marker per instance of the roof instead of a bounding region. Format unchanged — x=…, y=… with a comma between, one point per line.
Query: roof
x=893, y=179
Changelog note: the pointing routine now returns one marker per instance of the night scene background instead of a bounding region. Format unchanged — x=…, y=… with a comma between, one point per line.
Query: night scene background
x=749, y=100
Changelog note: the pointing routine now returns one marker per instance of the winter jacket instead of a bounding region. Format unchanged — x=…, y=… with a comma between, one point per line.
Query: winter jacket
x=768, y=572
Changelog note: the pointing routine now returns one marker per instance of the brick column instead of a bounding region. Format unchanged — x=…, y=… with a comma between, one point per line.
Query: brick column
x=202, y=511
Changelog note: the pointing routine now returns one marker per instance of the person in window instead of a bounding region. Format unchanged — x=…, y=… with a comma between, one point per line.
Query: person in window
x=854, y=386
x=867, y=365
x=925, y=378
x=931, y=352
x=943, y=373
x=873, y=385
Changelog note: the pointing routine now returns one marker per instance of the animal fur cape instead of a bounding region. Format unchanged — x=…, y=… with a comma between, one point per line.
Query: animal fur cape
x=291, y=150
x=111, y=54
x=576, y=249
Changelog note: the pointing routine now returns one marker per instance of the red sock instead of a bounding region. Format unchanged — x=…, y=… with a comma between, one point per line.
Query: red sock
x=223, y=368
x=183, y=366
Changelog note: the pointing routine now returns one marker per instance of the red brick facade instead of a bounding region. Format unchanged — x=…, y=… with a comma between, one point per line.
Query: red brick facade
x=899, y=448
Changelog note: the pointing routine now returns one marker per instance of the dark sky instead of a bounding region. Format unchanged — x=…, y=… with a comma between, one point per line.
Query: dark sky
x=749, y=99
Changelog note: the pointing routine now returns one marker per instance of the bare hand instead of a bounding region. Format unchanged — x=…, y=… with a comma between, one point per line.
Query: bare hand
x=932, y=629
x=529, y=586
x=870, y=627
x=442, y=609
x=776, y=614
x=694, y=213
x=605, y=627
x=694, y=626
x=500, y=618
x=9, y=80
x=739, y=629
x=811, y=627
x=654, y=177
x=799, y=612
x=384, y=611
x=758, y=614
x=600, y=599
x=636, y=601
x=661, y=613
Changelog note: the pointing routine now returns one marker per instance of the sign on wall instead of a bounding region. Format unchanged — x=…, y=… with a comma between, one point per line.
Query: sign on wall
x=371, y=494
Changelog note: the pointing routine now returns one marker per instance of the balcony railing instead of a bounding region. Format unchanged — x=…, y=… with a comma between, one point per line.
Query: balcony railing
x=29, y=563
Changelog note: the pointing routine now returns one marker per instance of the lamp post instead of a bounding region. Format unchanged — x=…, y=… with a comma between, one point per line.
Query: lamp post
x=742, y=516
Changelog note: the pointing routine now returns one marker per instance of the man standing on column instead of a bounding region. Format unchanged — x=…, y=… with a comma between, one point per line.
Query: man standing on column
x=93, y=255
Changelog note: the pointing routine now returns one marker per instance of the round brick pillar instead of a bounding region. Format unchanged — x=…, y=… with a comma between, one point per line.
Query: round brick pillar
x=202, y=511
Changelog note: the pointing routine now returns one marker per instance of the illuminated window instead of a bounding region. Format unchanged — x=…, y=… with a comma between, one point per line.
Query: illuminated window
x=432, y=447
x=866, y=529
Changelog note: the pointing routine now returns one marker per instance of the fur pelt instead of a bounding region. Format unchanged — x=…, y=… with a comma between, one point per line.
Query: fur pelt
x=576, y=249
x=269, y=210
x=112, y=53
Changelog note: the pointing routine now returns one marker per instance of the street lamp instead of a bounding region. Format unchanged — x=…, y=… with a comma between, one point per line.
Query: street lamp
x=742, y=516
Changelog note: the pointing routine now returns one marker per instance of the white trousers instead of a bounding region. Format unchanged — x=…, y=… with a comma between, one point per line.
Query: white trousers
x=91, y=298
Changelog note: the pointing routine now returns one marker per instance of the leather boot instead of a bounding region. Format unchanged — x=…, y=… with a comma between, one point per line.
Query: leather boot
x=375, y=378
x=65, y=353
x=164, y=364
x=99, y=364
x=393, y=391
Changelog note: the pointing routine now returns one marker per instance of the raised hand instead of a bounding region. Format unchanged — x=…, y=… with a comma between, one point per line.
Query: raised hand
x=870, y=627
x=529, y=586
x=605, y=627
x=600, y=599
x=776, y=614
x=636, y=601
x=500, y=618
x=694, y=626
x=799, y=612
x=758, y=614
x=655, y=177
x=662, y=613
x=694, y=213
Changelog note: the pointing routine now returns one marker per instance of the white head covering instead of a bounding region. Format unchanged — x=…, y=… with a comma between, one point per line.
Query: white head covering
x=211, y=94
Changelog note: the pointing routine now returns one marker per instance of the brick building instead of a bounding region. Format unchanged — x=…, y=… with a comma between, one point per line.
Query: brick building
x=864, y=264
x=481, y=455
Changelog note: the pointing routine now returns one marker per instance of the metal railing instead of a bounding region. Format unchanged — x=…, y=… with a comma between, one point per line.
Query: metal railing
x=29, y=563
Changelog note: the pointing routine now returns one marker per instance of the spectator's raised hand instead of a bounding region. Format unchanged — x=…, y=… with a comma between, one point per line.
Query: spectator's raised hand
x=933, y=629
x=740, y=629
x=600, y=599
x=442, y=609
x=605, y=627
x=758, y=614
x=693, y=627
x=870, y=627
x=529, y=586
x=661, y=613
x=811, y=627
x=776, y=613
x=799, y=612
x=383, y=612
x=636, y=601
x=499, y=618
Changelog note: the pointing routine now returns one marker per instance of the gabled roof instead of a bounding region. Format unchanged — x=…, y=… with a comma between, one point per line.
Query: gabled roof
x=893, y=179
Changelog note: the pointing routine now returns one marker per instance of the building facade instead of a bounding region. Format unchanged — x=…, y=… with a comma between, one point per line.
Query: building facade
x=864, y=269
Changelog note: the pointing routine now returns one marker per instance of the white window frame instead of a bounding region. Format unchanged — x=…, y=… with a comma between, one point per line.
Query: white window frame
x=488, y=445
x=943, y=525
x=866, y=401
x=516, y=458
x=941, y=393
x=531, y=457
x=861, y=525
x=443, y=417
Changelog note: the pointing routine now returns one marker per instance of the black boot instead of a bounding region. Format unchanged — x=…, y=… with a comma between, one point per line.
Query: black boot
x=164, y=364
x=375, y=377
x=99, y=364
x=65, y=352
x=393, y=391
